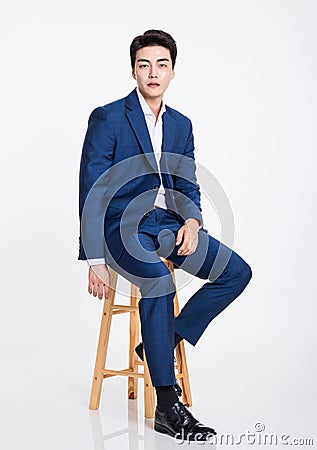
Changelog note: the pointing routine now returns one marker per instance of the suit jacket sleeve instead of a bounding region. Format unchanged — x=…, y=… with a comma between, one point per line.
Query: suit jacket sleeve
x=185, y=182
x=96, y=159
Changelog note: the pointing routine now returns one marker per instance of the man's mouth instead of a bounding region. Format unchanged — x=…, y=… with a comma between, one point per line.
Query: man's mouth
x=153, y=84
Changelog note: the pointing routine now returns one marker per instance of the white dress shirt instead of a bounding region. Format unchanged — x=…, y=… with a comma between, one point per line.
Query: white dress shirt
x=155, y=128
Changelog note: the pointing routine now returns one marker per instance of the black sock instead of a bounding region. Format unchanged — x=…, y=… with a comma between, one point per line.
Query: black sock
x=166, y=396
x=139, y=347
x=177, y=339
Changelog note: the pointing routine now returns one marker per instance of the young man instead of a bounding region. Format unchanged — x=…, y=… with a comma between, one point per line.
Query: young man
x=139, y=200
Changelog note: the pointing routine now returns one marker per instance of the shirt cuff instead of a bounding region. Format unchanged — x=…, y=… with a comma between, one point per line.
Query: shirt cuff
x=95, y=261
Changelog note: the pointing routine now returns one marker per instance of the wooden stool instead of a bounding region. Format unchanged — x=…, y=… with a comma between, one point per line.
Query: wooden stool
x=132, y=372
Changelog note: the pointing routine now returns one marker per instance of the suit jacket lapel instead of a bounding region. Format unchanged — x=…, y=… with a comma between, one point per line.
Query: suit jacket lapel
x=137, y=120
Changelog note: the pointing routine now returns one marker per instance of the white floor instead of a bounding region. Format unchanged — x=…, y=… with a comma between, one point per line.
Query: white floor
x=55, y=415
x=237, y=380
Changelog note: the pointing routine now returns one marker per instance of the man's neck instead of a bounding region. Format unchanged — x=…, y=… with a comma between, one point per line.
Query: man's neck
x=155, y=104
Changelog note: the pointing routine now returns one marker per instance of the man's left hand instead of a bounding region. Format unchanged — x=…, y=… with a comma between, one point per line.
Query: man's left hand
x=189, y=233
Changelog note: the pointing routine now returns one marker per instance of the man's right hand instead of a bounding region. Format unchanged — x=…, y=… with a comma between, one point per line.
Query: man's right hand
x=98, y=281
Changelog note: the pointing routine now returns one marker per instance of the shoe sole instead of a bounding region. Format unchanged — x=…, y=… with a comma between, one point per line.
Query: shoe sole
x=161, y=429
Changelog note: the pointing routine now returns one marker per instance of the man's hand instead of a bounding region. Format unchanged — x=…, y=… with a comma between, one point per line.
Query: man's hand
x=189, y=233
x=98, y=281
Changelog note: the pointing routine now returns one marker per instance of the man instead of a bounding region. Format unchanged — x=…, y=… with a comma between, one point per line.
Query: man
x=139, y=200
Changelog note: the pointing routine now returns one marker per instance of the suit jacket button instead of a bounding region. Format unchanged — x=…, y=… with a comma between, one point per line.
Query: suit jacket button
x=155, y=188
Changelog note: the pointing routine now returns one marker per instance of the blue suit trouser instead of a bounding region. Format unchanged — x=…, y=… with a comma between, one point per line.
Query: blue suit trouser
x=139, y=262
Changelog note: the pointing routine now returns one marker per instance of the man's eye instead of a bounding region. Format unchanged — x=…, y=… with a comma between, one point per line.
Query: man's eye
x=163, y=65
x=143, y=66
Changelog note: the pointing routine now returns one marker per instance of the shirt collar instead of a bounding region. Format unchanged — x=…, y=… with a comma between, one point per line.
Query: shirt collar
x=145, y=107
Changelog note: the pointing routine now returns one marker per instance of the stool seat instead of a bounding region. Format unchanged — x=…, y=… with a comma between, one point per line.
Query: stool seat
x=132, y=371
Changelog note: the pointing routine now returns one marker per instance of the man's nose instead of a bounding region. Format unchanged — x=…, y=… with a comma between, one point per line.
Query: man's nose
x=153, y=72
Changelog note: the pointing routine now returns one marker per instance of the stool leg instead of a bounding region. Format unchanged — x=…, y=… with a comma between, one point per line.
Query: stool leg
x=149, y=397
x=103, y=343
x=182, y=368
x=134, y=339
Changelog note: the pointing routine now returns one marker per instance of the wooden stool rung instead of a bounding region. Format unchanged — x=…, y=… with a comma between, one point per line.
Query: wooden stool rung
x=124, y=308
x=123, y=372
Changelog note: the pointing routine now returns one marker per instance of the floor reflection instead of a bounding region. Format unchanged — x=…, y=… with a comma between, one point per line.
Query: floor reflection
x=137, y=438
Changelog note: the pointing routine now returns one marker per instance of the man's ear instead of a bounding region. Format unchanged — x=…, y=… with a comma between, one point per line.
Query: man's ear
x=133, y=73
x=173, y=74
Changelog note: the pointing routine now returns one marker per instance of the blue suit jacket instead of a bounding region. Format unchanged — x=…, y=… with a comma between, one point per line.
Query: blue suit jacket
x=118, y=168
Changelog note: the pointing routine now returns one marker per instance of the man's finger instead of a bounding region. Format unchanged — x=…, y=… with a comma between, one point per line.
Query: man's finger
x=186, y=243
x=179, y=236
x=183, y=252
x=193, y=247
x=89, y=286
x=185, y=238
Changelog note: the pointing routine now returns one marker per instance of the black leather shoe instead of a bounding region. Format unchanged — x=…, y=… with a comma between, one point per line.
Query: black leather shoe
x=179, y=423
x=139, y=351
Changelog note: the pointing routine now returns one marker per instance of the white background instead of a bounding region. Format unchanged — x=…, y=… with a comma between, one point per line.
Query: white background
x=246, y=76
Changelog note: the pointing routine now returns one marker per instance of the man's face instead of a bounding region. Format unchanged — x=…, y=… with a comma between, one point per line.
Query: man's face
x=153, y=71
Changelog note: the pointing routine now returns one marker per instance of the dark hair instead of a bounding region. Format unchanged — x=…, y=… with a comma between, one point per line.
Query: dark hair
x=151, y=38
